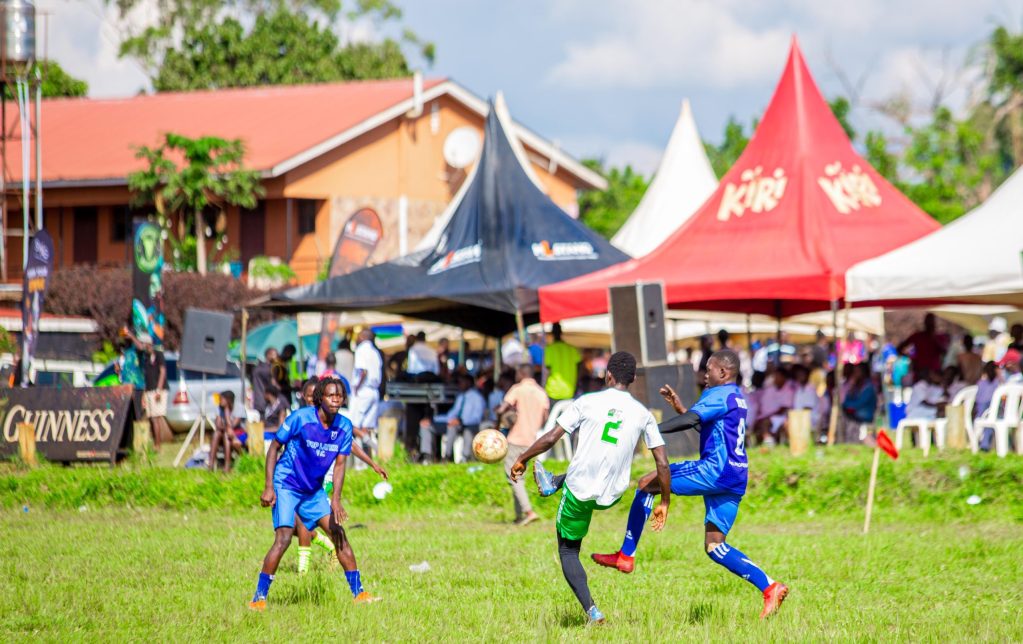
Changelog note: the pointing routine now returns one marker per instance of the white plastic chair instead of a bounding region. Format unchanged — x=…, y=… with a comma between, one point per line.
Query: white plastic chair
x=1002, y=416
x=922, y=426
x=564, y=446
x=967, y=398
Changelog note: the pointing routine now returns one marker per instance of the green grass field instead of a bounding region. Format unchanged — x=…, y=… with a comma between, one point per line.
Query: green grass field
x=141, y=553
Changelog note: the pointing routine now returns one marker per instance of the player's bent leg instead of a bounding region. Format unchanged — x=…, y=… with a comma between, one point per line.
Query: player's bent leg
x=642, y=506
x=305, y=540
x=740, y=565
x=346, y=557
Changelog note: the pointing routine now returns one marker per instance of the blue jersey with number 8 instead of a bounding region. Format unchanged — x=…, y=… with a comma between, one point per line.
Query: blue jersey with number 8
x=722, y=412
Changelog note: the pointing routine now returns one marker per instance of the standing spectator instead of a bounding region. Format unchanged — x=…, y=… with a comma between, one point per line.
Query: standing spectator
x=1016, y=337
x=262, y=377
x=445, y=358
x=154, y=368
x=851, y=350
x=228, y=432
x=998, y=340
x=496, y=396
x=759, y=361
x=821, y=351
x=367, y=376
x=275, y=410
x=512, y=351
x=928, y=347
x=282, y=371
x=780, y=351
x=724, y=340
x=422, y=360
x=969, y=362
x=531, y=405
x=464, y=418
x=536, y=350
x=859, y=405
x=562, y=362
x=706, y=349
x=329, y=371
x=344, y=359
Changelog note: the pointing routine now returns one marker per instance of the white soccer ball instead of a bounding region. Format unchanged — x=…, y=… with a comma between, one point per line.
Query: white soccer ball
x=490, y=446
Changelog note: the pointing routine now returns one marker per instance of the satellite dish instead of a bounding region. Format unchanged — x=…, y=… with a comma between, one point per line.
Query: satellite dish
x=461, y=147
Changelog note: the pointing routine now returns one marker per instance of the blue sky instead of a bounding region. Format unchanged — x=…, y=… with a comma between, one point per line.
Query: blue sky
x=606, y=78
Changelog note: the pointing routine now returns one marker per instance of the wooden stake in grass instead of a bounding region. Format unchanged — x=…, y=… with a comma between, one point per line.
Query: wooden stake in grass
x=883, y=443
x=27, y=443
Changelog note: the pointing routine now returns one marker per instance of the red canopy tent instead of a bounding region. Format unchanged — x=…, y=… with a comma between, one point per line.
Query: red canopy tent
x=797, y=209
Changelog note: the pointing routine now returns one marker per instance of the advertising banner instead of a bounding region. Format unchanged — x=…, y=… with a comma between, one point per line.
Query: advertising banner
x=147, y=281
x=37, y=280
x=356, y=243
x=71, y=424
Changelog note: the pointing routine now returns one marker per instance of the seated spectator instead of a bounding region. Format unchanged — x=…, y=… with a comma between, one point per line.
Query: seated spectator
x=463, y=418
x=824, y=404
x=774, y=403
x=986, y=386
x=805, y=396
x=1010, y=364
x=969, y=361
x=228, y=432
x=752, y=395
x=928, y=396
x=496, y=396
x=951, y=382
x=276, y=408
x=859, y=404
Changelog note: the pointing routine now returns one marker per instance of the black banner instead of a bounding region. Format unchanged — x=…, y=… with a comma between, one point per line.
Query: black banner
x=72, y=424
x=147, y=281
x=37, y=279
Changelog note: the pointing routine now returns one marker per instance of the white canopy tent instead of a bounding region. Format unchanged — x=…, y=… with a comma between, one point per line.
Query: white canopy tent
x=976, y=259
x=682, y=183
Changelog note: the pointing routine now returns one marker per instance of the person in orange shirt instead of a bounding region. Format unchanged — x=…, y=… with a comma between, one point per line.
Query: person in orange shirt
x=530, y=402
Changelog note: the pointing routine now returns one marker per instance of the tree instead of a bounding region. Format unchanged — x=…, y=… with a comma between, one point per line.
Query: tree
x=724, y=155
x=606, y=211
x=212, y=175
x=56, y=81
x=205, y=44
x=841, y=107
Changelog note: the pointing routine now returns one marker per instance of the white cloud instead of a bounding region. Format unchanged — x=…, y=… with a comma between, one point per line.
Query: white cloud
x=664, y=43
x=84, y=38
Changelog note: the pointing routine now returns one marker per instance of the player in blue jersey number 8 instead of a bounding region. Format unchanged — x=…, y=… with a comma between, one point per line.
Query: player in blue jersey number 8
x=719, y=476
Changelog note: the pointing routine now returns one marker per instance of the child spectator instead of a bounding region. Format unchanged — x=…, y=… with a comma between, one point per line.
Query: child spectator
x=228, y=433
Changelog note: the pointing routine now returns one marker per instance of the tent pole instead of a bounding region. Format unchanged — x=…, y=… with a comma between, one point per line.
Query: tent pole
x=836, y=395
x=497, y=358
x=749, y=335
x=777, y=314
x=242, y=354
x=520, y=324
x=461, y=347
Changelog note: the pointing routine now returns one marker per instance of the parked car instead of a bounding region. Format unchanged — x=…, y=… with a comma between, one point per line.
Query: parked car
x=186, y=391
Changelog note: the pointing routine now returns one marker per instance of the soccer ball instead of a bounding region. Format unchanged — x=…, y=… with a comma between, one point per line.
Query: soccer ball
x=489, y=446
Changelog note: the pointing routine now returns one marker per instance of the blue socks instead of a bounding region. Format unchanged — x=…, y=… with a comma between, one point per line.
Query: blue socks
x=642, y=506
x=263, y=586
x=737, y=562
x=354, y=581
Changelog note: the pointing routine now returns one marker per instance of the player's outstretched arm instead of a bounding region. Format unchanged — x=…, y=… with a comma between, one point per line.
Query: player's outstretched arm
x=340, y=516
x=672, y=399
x=268, y=498
x=541, y=445
x=687, y=420
x=361, y=454
x=660, y=513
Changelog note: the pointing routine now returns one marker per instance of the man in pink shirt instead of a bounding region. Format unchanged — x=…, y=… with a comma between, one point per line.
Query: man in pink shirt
x=530, y=402
x=774, y=404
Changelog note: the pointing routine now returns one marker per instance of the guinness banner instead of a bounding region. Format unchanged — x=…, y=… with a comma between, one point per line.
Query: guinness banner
x=85, y=424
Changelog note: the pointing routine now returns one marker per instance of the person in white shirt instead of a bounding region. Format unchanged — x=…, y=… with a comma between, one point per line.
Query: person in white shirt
x=366, y=376
x=422, y=358
x=463, y=418
x=805, y=396
x=345, y=358
x=512, y=352
x=609, y=423
x=774, y=405
x=928, y=394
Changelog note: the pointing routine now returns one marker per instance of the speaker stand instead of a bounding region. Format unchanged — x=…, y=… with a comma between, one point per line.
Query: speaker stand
x=199, y=425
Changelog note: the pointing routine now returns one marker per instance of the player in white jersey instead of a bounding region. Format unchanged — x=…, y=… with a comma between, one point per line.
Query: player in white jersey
x=609, y=424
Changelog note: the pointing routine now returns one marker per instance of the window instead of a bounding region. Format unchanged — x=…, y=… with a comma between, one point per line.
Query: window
x=307, y=215
x=120, y=223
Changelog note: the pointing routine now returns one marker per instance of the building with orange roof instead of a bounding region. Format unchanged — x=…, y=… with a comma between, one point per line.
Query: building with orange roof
x=324, y=152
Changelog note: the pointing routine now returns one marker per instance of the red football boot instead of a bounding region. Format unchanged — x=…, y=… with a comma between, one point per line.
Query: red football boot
x=774, y=595
x=617, y=560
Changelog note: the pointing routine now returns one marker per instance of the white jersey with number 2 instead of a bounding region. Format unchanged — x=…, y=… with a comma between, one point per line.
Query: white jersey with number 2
x=609, y=424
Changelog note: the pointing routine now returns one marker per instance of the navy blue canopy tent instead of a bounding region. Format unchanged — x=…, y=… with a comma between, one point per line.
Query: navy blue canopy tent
x=504, y=239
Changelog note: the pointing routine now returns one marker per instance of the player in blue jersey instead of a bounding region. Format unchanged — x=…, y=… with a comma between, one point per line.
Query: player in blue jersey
x=719, y=477
x=313, y=438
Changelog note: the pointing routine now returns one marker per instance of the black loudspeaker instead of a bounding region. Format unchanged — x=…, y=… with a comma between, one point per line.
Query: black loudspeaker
x=646, y=389
x=637, y=321
x=204, y=345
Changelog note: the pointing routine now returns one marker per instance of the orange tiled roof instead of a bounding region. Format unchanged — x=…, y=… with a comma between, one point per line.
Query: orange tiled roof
x=94, y=140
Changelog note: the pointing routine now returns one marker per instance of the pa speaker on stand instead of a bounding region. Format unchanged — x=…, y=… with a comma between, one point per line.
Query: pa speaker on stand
x=203, y=349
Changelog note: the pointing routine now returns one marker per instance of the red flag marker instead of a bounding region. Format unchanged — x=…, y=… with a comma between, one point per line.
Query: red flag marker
x=885, y=443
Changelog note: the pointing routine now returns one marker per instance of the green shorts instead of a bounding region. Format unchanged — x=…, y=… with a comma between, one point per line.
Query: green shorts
x=574, y=515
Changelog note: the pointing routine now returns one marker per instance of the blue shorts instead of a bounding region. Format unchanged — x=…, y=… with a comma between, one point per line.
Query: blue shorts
x=310, y=507
x=689, y=478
